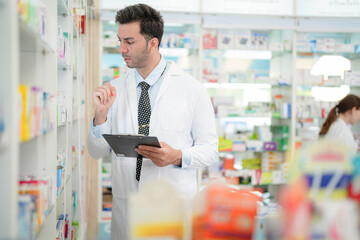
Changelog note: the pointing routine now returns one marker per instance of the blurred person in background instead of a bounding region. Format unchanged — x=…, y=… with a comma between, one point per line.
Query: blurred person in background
x=341, y=117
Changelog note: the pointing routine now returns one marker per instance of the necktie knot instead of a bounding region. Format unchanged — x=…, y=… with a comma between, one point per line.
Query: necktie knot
x=144, y=86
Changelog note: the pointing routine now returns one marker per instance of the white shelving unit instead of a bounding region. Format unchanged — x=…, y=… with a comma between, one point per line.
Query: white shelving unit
x=31, y=58
x=232, y=68
x=9, y=150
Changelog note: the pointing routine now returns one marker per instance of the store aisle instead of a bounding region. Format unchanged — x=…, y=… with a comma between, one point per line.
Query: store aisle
x=104, y=230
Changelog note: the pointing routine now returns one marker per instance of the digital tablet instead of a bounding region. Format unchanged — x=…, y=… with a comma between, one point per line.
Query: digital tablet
x=124, y=145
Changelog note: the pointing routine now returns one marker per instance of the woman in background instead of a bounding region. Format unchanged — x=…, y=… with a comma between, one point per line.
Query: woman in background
x=336, y=125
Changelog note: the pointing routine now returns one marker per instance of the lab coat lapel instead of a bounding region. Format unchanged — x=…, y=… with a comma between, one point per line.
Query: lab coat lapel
x=173, y=71
x=131, y=97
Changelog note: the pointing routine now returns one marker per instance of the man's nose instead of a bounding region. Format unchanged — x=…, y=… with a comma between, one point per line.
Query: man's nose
x=122, y=48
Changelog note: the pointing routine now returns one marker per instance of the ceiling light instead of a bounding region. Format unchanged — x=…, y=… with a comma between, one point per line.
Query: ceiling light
x=331, y=66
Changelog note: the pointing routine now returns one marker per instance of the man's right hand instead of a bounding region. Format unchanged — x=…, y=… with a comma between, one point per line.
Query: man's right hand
x=104, y=97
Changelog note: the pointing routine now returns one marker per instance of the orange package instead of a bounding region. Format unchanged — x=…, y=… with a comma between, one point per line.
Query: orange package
x=229, y=214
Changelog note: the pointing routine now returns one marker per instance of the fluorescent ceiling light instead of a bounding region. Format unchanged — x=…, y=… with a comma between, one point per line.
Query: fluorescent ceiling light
x=331, y=66
x=174, y=52
x=247, y=54
x=330, y=94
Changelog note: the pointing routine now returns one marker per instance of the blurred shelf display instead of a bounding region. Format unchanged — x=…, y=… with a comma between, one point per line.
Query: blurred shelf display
x=318, y=94
x=106, y=191
x=41, y=54
x=62, y=7
x=255, y=61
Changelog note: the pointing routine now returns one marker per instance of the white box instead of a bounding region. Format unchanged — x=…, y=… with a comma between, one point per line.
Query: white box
x=243, y=39
x=225, y=39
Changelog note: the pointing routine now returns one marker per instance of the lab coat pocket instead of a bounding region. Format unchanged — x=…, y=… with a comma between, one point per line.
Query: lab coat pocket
x=174, y=116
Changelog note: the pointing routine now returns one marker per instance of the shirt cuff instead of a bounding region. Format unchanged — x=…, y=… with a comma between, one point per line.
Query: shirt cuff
x=186, y=159
x=99, y=130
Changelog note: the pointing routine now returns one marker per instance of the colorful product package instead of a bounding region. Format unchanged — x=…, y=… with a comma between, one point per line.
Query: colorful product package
x=157, y=212
x=226, y=213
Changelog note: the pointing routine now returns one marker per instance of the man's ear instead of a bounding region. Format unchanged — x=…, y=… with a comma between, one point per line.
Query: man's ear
x=153, y=44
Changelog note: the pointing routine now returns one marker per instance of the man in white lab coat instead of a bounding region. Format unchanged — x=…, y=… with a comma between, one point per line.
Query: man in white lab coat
x=182, y=116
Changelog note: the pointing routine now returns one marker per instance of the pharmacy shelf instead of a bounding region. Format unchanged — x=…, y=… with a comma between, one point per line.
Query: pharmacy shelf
x=61, y=126
x=75, y=30
x=241, y=117
x=245, y=86
x=62, y=8
x=325, y=85
x=106, y=183
x=279, y=118
x=281, y=85
x=60, y=193
x=349, y=55
x=41, y=228
x=30, y=40
x=246, y=54
x=29, y=57
x=105, y=216
x=67, y=178
x=36, y=137
x=253, y=151
x=62, y=65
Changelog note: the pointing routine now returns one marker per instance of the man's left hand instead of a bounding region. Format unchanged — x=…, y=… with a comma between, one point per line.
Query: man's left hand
x=161, y=157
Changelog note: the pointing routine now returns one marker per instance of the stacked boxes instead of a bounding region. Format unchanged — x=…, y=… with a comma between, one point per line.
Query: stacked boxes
x=251, y=163
x=271, y=161
x=40, y=192
x=281, y=137
x=37, y=112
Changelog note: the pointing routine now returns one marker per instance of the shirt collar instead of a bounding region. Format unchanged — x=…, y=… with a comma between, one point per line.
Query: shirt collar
x=154, y=75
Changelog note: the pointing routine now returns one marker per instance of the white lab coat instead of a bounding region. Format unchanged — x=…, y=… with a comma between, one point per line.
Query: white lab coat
x=341, y=132
x=182, y=116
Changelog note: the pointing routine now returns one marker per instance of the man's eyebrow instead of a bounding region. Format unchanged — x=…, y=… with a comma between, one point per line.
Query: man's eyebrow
x=128, y=38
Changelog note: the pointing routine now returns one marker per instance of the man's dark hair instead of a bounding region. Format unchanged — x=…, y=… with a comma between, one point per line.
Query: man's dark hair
x=151, y=21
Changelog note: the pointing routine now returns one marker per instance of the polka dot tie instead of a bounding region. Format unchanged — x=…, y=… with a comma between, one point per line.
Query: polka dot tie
x=144, y=112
